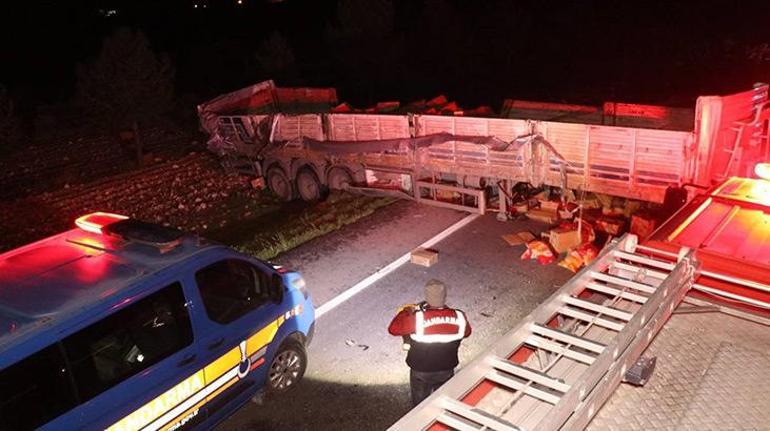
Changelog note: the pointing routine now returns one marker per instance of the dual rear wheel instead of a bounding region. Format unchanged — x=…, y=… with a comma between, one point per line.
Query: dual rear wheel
x=308, y=186
x=279, y=183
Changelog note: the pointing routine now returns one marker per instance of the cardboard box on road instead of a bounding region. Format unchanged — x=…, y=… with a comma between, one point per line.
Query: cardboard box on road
x=518, y=238
x=424, y=257
x=562, y=240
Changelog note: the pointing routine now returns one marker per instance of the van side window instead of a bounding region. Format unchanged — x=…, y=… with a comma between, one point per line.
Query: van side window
x=35, y=390
x=125, y=343
x=230, y=289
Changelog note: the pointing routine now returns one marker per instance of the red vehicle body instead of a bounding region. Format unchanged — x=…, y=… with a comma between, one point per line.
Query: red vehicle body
x=729, y=229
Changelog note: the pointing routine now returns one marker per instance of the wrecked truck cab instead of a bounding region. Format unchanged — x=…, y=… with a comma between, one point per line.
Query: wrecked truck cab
x=125, y=325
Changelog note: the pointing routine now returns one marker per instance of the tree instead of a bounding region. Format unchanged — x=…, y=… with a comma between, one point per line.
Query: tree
x=276, y=58
x=126, y=85
x=9, y=125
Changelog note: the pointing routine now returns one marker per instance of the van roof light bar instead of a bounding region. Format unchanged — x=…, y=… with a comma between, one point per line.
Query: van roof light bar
x=131, y=230
x=96, y=222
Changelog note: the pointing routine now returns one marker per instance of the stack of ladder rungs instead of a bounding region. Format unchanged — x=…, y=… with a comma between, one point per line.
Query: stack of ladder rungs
x=627, y=295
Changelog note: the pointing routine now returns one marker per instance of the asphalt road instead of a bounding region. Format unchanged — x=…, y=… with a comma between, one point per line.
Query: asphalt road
x=357, y=378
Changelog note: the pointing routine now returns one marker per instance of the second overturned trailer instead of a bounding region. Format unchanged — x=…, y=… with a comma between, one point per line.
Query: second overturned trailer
x=468, y=163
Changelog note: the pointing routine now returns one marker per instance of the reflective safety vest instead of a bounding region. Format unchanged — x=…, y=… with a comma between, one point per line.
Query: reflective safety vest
x=443, y=328
x=434, y=335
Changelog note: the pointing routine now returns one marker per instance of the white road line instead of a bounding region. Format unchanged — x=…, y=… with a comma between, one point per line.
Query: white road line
x=368, y=281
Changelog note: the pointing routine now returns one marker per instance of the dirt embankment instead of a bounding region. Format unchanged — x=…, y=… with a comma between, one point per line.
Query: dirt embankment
x=70, y=160
x=191, y=193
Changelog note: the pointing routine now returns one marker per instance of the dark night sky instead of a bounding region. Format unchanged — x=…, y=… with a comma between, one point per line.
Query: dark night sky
x=473, y=51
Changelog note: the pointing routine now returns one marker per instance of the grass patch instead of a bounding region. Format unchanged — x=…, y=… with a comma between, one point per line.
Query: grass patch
x=283, y=233
x=244, y=215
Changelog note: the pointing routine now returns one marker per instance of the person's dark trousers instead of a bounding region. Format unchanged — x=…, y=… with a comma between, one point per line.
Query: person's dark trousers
x=423, y=383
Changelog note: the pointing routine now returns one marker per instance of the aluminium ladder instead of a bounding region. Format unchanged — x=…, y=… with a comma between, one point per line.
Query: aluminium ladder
x=560, y=364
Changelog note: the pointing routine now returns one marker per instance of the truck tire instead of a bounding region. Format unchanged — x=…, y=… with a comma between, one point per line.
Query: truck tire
x=308, y=186
x=339, y=179
x=279, y=183
x=287, y=367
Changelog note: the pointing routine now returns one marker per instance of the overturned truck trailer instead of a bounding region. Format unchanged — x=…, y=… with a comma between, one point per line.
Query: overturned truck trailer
x=467, y=163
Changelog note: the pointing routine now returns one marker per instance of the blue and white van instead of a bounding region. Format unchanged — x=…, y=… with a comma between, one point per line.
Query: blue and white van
x=124, y=325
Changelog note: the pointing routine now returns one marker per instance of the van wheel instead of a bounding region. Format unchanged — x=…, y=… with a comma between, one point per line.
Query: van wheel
x=287, y=368
x=308, y=186
x=279, y=184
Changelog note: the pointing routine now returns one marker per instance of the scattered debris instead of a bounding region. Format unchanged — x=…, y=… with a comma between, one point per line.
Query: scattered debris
x=540, y=251
x=598, y=217
x=486, y=314
x=258, y=183
x=352, y=343
x=572, y=262
x=580, y=256
x=641, y=371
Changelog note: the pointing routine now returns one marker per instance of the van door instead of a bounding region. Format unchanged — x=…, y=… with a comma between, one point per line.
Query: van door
x=139, y=368
x=241, y=308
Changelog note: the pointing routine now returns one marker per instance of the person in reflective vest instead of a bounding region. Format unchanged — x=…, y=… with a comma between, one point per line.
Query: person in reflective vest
x=433, y=332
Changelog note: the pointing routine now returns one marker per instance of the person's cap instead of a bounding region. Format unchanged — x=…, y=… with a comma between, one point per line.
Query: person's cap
x=435, y=293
